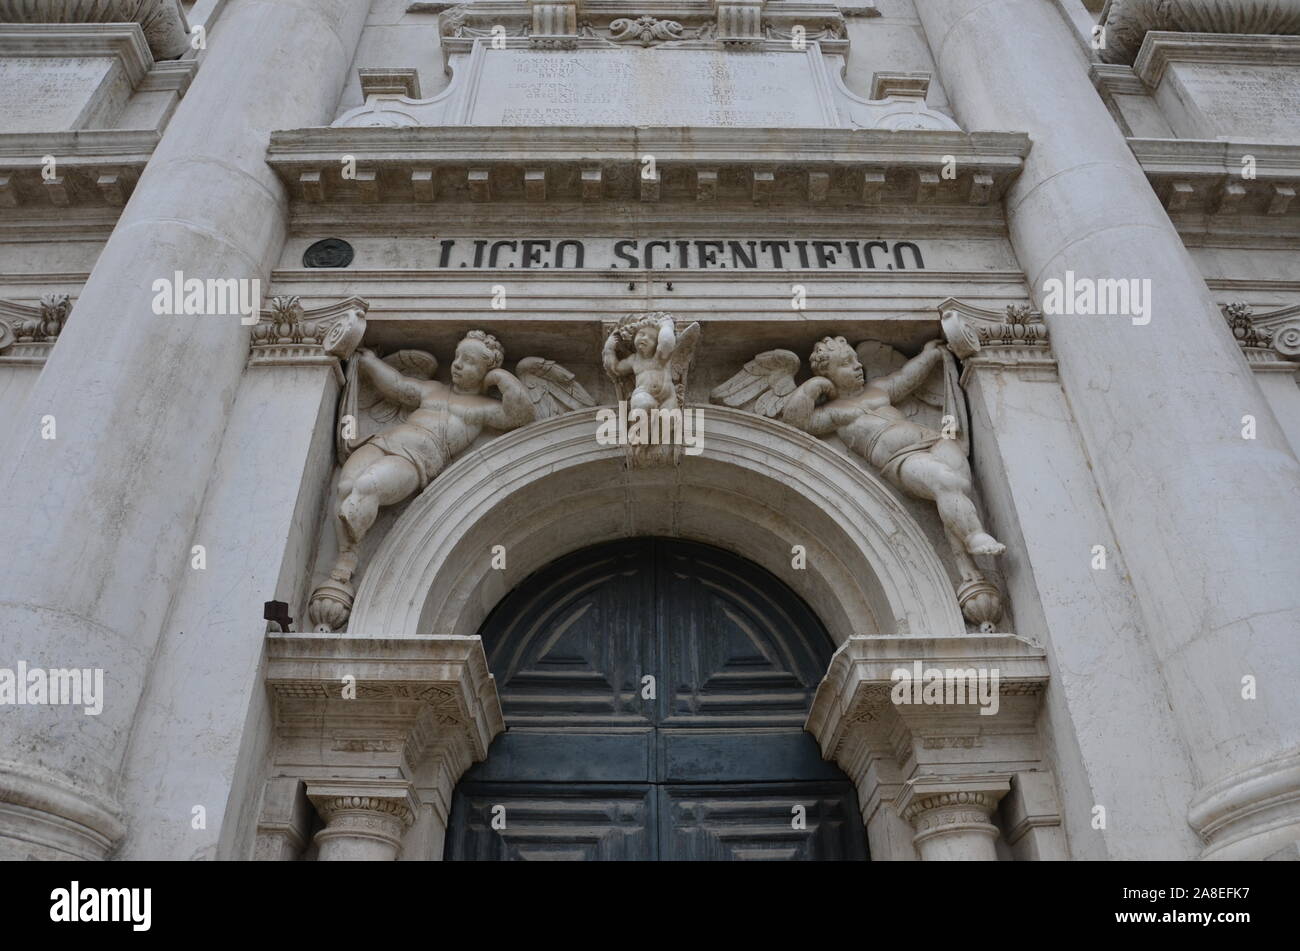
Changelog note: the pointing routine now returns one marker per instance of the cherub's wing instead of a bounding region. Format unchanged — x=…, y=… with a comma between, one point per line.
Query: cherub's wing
x=418, y=364
x=767, y=381
x=553, y=389
x=368, y=410
x=683, y=353
x=880, y=359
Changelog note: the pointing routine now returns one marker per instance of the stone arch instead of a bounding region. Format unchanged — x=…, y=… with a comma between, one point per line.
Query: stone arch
x=759, y=488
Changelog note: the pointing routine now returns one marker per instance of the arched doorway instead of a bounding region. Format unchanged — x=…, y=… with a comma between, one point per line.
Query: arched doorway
x=706, y=761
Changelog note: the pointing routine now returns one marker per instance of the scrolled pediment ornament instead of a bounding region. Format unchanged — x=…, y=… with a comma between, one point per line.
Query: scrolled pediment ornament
x=1127, y=22
x=1270, y=340
x=903, y=417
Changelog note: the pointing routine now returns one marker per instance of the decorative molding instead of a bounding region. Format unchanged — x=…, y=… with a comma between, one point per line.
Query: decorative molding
x=646, y=30
x=898, y=162
x=1271, y=341
x=1128, y=22
x=1195, y=177
x=1162, y=50
x=289, y=336
x=28, y=334
x=162, y=21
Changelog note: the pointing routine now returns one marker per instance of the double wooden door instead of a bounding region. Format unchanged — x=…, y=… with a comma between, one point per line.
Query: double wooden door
x=655, y=692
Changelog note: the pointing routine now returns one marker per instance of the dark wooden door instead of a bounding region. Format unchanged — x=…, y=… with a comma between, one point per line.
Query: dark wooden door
x=708, y=761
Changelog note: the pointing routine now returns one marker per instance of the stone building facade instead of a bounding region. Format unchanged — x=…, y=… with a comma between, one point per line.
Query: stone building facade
x=985, y=317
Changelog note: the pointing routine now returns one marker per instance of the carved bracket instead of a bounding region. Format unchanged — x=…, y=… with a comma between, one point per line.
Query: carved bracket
x=1271, y=341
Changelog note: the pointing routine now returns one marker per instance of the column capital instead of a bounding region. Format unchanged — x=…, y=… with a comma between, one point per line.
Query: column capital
x=364, y=819
x=952, y=815
x=288, y=335
x=27, y=334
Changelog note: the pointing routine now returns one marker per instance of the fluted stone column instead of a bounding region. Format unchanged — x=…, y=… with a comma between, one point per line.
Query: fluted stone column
x=1205, y=519
x=98, y=520
x=364, y=822
x=953, y=817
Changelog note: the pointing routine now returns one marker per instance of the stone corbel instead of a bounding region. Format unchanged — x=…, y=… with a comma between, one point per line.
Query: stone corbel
x=289, y=336
x=1127, y=22
x=1271, y=342
x=378, y=732
x=942, y=767
x=28, y=334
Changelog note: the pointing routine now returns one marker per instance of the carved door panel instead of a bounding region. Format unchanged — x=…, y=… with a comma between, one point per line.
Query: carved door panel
x=707, y=761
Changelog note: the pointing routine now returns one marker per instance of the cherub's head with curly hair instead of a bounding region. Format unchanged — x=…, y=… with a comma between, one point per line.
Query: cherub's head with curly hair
x=834, y=359
x=477, y=354
x=640, y=333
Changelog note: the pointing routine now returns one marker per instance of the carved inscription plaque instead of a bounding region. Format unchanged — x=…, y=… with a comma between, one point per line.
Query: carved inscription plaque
x=48, y=94
x=650, y=87
x=1256, y=102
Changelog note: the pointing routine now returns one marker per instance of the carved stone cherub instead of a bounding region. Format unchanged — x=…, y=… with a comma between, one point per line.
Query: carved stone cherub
x=428, y=424
x=648, y=361
x=866, y=414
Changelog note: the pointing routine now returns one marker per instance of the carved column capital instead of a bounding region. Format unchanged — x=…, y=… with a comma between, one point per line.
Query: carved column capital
x=1127, y=22
x=290, y=335
x=1270, y=341
x=952, y=815
x=27, y=334
x=364, y=819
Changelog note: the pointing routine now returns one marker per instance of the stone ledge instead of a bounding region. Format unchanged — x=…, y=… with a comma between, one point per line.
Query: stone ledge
x=471, y=164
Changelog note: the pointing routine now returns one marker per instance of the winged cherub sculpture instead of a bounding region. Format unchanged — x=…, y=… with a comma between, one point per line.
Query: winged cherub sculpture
x=881, y=419
x=423, y=425
x=648, y=361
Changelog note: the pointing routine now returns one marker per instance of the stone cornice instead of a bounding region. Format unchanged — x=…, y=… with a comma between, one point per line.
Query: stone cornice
x=162, y=22
x=1204, y=177
x=547, y=164
x=424, y=689
x=856, y=690
x=122, y=42
x=1163, y=49
x=1128, y=22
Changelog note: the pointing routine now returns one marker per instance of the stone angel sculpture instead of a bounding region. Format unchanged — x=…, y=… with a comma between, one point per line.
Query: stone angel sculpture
x=419, y=426
x=648, y=361
x=902, y=417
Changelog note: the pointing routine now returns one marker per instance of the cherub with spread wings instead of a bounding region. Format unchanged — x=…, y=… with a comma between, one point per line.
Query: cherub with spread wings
x=424, y=425
x=877, y=418
x=647, y=360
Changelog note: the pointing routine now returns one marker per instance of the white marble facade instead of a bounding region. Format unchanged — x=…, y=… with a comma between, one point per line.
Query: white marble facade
x=1060, y=238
